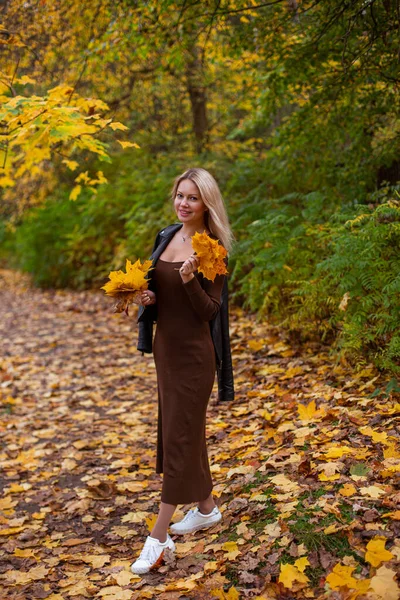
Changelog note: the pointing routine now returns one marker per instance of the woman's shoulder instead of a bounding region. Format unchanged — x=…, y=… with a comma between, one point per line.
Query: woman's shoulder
x=169, y=228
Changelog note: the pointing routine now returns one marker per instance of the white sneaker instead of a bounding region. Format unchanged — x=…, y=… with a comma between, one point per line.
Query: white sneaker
x=152, y=555
x=194, y=520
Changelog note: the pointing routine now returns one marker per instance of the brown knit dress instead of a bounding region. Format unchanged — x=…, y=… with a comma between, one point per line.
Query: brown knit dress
x=184, y=356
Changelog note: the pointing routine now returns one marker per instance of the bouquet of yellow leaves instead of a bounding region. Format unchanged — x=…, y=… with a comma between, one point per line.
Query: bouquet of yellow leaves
x=127, y=287
x=210, y=254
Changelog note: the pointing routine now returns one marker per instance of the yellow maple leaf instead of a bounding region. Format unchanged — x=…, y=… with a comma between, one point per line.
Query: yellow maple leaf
x=127, y=287
x=375, y=435
x=307, y=412
x=376, y=551
x=211, y=255
x=347, y=490
x=302, y=563
x=151, y=521
x=391, y=451
x=323, y=477
x=255, y=345
x=338, y=451
x=124, y=577
x=232, y=549
x=290, y=573
x=131, y=486
x=341, y=577
x=231, y=594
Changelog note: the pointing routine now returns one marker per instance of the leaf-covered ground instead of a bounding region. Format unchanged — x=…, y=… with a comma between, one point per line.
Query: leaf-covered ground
x=304, y=461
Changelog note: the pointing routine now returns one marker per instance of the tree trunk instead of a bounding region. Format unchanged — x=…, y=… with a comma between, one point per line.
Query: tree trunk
x=198, y=98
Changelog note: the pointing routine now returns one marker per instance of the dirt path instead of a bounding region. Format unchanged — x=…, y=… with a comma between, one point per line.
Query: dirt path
x=79, y=488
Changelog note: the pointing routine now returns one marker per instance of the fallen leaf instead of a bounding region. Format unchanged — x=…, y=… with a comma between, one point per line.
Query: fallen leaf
x=376, y=552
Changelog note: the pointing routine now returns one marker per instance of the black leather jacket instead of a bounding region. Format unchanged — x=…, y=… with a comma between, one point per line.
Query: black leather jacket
x=219, y=326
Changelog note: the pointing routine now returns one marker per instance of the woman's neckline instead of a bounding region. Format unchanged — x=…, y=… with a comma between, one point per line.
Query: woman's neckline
x=173, y=262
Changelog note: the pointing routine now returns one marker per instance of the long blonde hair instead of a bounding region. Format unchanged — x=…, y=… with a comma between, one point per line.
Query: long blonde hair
x=216, y=217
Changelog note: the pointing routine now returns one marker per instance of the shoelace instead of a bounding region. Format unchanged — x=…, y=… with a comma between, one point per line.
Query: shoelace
x=188, y=515
x=149, y=553
x=191, y=513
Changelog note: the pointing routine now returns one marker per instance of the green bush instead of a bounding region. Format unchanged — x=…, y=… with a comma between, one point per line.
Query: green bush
x=338, y=278
x=278, y=250
x=39, y=244
x=356, y=289
x=76, y=244
x=299, y=260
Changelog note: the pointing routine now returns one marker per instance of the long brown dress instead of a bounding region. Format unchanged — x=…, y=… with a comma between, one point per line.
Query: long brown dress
x=184, y=356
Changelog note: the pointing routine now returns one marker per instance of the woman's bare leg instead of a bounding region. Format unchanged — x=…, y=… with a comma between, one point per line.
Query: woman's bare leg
x=164, y=517
x=206, y=506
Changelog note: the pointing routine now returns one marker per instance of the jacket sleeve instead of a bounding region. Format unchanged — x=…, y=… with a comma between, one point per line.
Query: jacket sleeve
x=147, y=315
x=206, y=302
x=148, y=311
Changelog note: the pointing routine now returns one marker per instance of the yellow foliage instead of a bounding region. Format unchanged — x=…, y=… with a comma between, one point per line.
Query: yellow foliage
x=302, y=563
x=347, y=490
x=151, y=521
x=133, y=280
x=211, y=255
x=341, y=577
x=375, y=435
x=307, y=412
x=127, y=287
x=231, y=594
x=34, y=126
x=232, y=550
x=376, y=551
x=76, y=190
x=128, y=144
x=255, y=345
x=338, y=451
x=116, y=125
x=291, y=573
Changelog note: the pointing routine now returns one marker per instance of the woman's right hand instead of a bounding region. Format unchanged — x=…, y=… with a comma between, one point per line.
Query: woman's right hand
x=147, y=297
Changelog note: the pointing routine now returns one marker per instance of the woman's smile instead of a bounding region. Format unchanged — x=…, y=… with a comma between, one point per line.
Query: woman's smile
x=188, y=204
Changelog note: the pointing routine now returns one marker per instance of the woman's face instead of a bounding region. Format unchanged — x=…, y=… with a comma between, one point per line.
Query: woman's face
x=188, y=205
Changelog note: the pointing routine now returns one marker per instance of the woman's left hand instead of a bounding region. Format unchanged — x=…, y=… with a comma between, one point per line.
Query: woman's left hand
x=147, y=297
x=190, y=265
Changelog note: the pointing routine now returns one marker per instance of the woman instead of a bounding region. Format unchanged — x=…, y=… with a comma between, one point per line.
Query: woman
x=185, y=362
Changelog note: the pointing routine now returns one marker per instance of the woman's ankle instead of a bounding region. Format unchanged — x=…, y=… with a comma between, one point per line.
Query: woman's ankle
x=161, y=537
x=205, y=510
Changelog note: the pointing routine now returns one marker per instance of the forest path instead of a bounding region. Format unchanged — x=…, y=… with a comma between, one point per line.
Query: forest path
x=303, y=460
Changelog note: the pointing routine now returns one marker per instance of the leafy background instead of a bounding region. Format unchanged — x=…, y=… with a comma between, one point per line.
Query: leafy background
x=293, y=106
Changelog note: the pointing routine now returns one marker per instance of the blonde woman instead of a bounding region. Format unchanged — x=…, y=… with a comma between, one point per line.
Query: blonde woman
x=190, y=343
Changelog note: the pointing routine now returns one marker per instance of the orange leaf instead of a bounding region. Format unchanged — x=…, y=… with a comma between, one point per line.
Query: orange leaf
x=211, y=255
